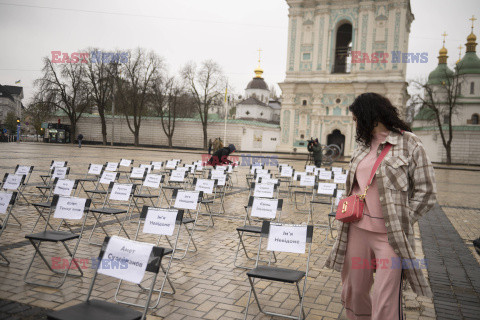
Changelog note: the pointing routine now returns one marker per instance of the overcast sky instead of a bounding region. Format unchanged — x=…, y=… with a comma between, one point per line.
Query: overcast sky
x=227, y=31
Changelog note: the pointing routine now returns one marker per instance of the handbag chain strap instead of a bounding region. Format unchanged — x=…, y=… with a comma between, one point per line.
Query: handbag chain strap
x=380, y=158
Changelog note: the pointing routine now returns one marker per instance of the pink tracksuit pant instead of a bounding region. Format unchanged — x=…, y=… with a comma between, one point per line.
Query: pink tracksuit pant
x=365, y=250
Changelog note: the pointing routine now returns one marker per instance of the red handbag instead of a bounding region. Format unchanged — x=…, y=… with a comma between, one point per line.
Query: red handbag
x=351, y=208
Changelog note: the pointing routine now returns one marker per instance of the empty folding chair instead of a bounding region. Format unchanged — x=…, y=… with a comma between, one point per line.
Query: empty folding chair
x=54, y=164
x=148, y=258
x=64, y=208
x=176, y=180
x=13, y=182
x=27, y=172
x=106, y=177
x=263, y=190
x=151, y=189
x=160, y=222
x=137, y=175
x=57, y=173
x=61, y=187
x=118, y=195
x=93, y=173
x=257, y=208
x=282, y=238
x=306, y=187
x=255, y=169
x=190, y=202
x=157, y=165
x=340, y=178
x=285, y=175
x=124, y=166
x=7, y=202
x=208, y=187
x=113, y=167
x=326, y=195
x=222, y=179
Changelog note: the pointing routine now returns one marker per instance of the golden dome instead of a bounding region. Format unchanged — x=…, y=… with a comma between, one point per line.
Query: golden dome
x=443, y=51
x=258, y=72
x=471, y=37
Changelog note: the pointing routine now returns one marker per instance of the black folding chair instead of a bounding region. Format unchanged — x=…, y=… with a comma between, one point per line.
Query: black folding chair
x=7, y=202
x=261, y=205
x=54, y=164
x=325, y=194
x=111, y=208
x=306, y=188
x=27, y=172
x=66, y=208
x=105, y=178
x=153, y=217
x=13, y=182
x=93, y=173
x=93, y=309
x=208, y=187
x=277, y=274
x=56, y=172
x=151, y=189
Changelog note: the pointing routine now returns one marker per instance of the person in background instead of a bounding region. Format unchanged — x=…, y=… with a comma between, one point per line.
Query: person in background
x=80, y=138
x=317, y=153
x=221, y=156
x=210, y=143
x=382, y=241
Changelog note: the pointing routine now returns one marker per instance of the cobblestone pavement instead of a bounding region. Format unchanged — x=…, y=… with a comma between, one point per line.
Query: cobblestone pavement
x=207, y=284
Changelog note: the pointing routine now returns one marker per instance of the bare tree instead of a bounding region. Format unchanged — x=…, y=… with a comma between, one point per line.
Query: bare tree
x=63, y=87
x=100, y=83
x=206, y=85
x=134, y=90
x=168, y=96
x=441, y=101
x=37, y=113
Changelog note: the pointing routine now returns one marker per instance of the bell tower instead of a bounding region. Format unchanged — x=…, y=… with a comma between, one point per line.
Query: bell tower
x=336, y=51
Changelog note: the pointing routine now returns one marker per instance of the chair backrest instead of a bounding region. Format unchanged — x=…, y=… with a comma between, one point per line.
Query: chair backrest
x=160, y=221
x=157, y=165
x=12, y=181
x=263, y=208
x=207, y=186
x=64, y=187
x=326, y=189
x=263, y=190
x=126, y=162
x=186, y=199
x=55, y=164
x=325, y=175
x=171, y=164
x=153, y=180
x=178, y=175
x=120, y=191
x=111, y=166
x=287, y=171
x=138, y=173
x=108, y=176
x=339, y=177
x=23, y=170
x=307, y=180
x=7, y=199
x=148, y=167
x=95, y=169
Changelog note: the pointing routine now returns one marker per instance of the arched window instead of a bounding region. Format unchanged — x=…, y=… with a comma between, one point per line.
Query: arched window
x=304, y=102
x=342, y=50
x=475, y=119
x=472, y=88
x=254, y=95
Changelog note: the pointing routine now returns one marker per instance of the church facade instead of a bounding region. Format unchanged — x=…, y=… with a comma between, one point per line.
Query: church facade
x=322, y=79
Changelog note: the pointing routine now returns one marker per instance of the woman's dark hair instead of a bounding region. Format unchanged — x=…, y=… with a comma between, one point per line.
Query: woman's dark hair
x=371, y=108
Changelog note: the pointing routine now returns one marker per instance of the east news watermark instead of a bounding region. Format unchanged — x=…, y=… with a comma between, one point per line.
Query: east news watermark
x=393, y=57
x=92, y=56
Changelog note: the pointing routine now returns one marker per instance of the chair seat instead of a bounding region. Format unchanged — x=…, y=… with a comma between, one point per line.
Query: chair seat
x=108, y=210
x=43, y=187
x=145, y=195
x=96, y=191
x=172, y=187
x=207, y=201
x=167, y=251
x=187, y=220
x=88, y=179
x=320, y=202
x=95, y=310
x=253, y=229
x=276, y=274
x=42, y=204
x=52, y=236
x=332, y=214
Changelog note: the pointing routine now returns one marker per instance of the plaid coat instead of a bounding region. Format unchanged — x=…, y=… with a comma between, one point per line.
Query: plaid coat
x=406, y=185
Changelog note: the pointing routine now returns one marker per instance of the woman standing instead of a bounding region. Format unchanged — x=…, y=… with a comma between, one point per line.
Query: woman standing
x=402, y=190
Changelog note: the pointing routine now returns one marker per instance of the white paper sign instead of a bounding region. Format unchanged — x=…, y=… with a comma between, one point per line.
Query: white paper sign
x=268, y=180
x=160, y=221
x=125, y=163
x=298, y=174
x=183, y=169
x=263, y=190
x=95, y=169
x=286, y=171
x=205, y=185
x=255, y=168
x=23, y=170
x=340, y=178
x=264, y=208
x=12, y=182
x=190, y=167
x=262, y=171
x=262, y=175
x=157, y=165
x=111, y=166
x=171, y=164
x=5, y=198
x=325, y=175
x=287, y=238
x=177, y=175
x=137, y=172
x=57, y=164
x=108, y=177
x=230, y=168
x=220, y=168
x=69, y=208
x=220, y=176
x=186, y=199
x=125, y=259
x=339, y=196
x=59, y=172
x=316, y=171
x=146, y=166
x=337, y=169
x=153, y=180
x=64, y=187
x=309, y=168
x=121, y=192
x=307, y=181
x=326, y=188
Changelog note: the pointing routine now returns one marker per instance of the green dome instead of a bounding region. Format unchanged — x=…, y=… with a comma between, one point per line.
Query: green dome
x=470, y=64
x=440, y=74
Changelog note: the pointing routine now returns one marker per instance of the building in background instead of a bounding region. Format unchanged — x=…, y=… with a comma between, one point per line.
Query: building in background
x=257, y=104
x=465, y=120
x=322, y=80
x=10, y=101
